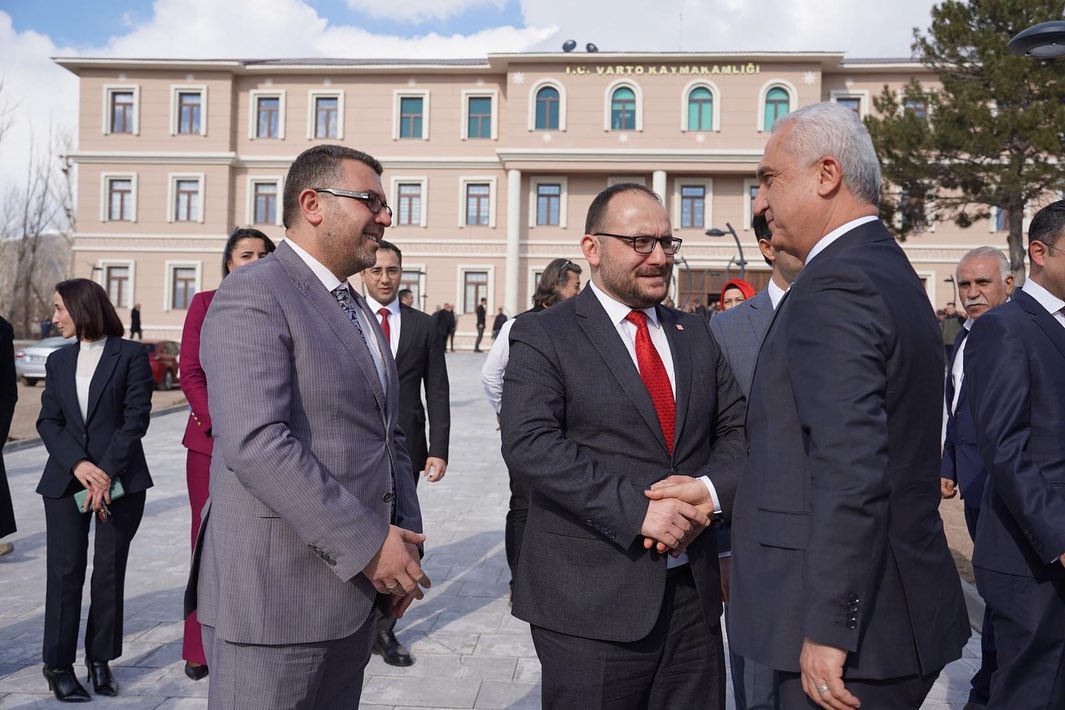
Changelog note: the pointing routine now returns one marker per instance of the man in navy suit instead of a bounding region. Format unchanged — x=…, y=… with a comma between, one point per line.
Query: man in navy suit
x=739, y=331
x=842, y=580
x=1015, y=378
x=984, y=282
x=605, y=394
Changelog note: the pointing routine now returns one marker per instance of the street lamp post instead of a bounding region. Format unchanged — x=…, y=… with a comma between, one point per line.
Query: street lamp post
x=1043, y=41
x=953, y=286
x=741, y=262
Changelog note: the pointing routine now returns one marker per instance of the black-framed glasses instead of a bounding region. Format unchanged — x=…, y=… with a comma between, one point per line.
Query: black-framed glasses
x=646, y=244
x=372, y=200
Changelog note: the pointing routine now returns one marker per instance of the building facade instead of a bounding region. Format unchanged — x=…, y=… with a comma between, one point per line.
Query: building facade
x=490, y=164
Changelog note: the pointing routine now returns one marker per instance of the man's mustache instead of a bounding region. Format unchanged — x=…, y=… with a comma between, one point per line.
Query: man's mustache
x=976, y=302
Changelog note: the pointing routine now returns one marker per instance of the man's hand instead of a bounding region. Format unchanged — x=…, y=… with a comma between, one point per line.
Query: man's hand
x=822, y=676
x=435, y=467
x=947, y=489
x=673, y=524
x=395, y=568
x=685, y=488
x=1062, y=560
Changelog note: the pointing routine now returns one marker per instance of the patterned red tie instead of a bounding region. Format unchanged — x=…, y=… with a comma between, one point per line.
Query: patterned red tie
x=383, y=312
x=655, y=377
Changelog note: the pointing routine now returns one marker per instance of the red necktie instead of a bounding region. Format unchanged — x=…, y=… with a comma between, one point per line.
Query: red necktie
x=383, y=312
x=655, y=377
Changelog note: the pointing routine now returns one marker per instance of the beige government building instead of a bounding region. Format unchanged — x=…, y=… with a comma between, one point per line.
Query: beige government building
x=490, y=164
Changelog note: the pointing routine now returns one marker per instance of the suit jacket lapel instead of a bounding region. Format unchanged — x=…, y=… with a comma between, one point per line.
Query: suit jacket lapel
x=680, y=348
x=760, y=314
x=326, y=306
x=593, y=320
x=104, y=370
x=406, y=337
x=1046, y=322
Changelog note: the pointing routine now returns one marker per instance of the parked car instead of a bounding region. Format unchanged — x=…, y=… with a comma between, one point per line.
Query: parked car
x=163, y=356
x=29, y=361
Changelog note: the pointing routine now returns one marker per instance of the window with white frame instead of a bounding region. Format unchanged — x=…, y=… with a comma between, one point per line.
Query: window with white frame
x=475, y=287
x=623, y=106
x=186, y=198
x=776, y=100
x=121, y=109
x=409, y=204
x=477, y=202
x=326, y=119
x=547, y=106
x=411, y=279
x=693, y=204
x=410, y=115
x=263, y=196
x=855, y=101
x=118, y=282
x=119, y=198
x=750, y=188
x=267, y=115
x=547, y=201
x=700, y=109
x=183, y=282
x=479, y=114
x=188, y=112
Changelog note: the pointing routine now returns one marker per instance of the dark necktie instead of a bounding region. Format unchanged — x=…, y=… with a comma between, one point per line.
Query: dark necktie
x=655, y=378
x=347, y=301
x=385, y=328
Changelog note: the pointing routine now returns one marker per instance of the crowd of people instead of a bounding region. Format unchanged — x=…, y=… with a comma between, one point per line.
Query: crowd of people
x=781, y=463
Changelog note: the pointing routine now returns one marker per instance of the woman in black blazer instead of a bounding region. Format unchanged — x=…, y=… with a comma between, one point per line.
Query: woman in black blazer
x=94, y=412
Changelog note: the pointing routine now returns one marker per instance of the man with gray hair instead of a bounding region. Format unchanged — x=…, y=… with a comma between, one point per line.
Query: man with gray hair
x=841, y=576
x=984, y=282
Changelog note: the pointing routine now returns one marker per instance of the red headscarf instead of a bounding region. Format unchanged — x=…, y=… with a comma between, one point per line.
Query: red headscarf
x=745, y=288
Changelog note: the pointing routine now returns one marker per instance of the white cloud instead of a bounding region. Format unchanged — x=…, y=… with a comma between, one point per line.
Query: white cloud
x=417, y=11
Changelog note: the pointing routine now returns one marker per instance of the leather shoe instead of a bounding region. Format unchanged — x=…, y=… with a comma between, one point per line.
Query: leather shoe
x=196, y=671
x=64, y=684
x=102, y=679
x=391, y=651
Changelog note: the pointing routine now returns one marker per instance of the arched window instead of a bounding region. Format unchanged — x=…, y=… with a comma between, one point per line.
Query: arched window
x=700, y=109
x=547, y=105
x=623, y=109
x=777, y=106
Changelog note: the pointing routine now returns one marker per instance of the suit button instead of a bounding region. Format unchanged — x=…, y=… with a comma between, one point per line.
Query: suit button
x=387, y=497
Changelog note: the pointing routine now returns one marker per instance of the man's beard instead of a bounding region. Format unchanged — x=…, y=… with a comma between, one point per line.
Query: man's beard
x=628, y=290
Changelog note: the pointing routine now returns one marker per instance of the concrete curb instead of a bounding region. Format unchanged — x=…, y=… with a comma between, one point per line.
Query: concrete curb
x=36, y=441
x=974, y=603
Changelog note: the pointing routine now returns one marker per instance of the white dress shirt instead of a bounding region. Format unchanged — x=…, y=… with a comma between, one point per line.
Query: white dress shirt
x=393, y=320
x=776, y=293
x=957, y=370
x=1047, y=300
x=331, y=282
x=618, y=313
x=495, y=365
x=835, y=234
x=89, y=354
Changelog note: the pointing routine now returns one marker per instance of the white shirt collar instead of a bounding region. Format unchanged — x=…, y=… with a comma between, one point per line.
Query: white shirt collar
x=1046, y=299
x=836, y=233
x=618, y=311
x=375, y=305
x=327, y=277
x=775, y=293
x=968, y=324
x=97, y=344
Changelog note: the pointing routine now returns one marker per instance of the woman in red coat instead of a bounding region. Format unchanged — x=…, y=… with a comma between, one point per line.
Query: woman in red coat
x=243, y=247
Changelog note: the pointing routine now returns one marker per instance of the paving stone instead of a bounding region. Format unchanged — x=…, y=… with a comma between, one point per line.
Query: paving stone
x=430, y=692
x=514, y=696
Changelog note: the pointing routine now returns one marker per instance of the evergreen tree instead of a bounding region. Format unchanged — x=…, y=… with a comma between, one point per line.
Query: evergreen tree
x=991, y=136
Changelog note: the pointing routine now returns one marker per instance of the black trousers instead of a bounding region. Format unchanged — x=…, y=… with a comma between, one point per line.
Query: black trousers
x=480, y=337
x=517, y=514
x=907, y=693
x=1029, y=619
x=980, y=693
x=67, y=542
x=680, y=664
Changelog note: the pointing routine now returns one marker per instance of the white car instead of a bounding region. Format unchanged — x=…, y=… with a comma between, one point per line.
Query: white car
x=29, y=361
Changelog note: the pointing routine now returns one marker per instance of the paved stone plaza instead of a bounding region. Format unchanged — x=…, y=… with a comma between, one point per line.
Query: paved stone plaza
x=471, y=653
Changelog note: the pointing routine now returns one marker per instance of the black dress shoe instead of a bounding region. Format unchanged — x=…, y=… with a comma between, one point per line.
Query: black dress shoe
x=102, y=679
x=391, y=651
x=196, y=671
x=65, y=685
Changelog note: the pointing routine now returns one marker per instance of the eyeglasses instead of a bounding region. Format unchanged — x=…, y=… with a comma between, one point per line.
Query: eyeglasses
x=372, y=200
x=646, y=245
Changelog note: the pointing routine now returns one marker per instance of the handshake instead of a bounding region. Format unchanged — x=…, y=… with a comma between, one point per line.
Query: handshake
x=681, y=507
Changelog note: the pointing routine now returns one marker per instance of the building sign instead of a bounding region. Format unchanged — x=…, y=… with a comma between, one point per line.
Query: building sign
x=664, y=69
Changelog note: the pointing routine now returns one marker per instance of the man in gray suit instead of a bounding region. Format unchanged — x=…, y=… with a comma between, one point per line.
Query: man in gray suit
x=738, y=331
x=312, y=506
